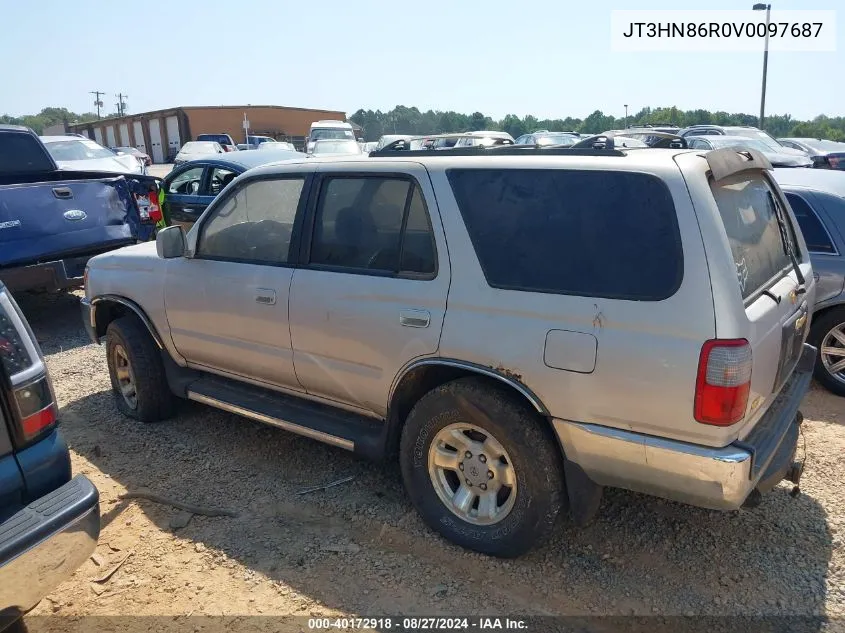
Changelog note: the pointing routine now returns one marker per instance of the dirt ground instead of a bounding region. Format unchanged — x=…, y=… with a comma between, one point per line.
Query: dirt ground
x=359, y=548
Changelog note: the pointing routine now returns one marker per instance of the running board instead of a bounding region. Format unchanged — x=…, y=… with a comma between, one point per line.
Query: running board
x=362, y=435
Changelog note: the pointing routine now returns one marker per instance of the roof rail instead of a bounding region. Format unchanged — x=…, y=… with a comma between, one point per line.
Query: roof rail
x=396, y=149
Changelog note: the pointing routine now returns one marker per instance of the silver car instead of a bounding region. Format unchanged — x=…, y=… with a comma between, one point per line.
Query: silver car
x=522, y=327
x=82, y=154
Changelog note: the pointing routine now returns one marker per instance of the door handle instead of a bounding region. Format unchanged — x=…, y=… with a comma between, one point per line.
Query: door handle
x=265, y=296
x=414, y=318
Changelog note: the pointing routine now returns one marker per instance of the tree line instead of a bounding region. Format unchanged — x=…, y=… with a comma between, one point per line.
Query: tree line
x=48, y=117
x=404, y=120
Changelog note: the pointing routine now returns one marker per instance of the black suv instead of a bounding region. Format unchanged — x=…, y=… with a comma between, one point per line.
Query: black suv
x=49, y=523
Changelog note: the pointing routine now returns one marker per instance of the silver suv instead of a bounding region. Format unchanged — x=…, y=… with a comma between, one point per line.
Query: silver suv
x=523, y=327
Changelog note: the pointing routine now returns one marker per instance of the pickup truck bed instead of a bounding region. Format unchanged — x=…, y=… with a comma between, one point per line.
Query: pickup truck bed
x=53, y=221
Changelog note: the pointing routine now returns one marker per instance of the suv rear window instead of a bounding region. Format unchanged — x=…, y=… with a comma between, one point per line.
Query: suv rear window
x=746, y=204
x=610, y=234
x=223, y=139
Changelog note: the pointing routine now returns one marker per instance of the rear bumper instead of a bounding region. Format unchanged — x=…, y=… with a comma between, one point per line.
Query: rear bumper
x=718, y=478
x=43, y=544
x=55, y=275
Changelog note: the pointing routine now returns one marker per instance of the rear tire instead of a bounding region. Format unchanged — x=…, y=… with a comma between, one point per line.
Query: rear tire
x=823, y=335
x=454, y=439
x=137, y=372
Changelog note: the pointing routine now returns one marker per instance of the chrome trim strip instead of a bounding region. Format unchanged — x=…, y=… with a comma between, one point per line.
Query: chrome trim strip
x=132, y=306
x=478, y=369
x=266, y=419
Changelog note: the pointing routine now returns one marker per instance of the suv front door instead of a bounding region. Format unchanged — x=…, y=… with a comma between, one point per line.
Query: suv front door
x=227, y=304
x=370, y=294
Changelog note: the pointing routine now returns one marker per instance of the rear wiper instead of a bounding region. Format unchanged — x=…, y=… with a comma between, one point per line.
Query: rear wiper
x=787, y=242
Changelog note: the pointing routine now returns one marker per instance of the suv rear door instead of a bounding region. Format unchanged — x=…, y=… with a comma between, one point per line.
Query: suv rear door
x=370, y=293
x=757, y=294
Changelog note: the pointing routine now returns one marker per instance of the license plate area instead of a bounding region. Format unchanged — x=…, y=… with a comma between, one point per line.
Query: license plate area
x=793, y=335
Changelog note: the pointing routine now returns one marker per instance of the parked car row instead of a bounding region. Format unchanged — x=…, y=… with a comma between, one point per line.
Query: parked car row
x=692, y=309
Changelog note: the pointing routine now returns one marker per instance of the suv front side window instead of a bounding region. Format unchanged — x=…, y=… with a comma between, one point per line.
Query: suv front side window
x=373, y=224
x=254, y=224
x=815, y=234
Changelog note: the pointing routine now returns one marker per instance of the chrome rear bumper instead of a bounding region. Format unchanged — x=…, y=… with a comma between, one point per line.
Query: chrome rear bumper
x=718, y=478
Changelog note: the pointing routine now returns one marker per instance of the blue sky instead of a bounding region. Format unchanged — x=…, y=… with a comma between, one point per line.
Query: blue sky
x=550, y=58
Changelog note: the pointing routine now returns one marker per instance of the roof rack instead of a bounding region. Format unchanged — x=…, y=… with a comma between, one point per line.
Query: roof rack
x=401, y=149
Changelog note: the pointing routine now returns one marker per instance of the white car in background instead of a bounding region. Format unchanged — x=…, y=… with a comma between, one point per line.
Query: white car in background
x=277, y=145
x=195, y=149
x=338, y=147
x=82, y=154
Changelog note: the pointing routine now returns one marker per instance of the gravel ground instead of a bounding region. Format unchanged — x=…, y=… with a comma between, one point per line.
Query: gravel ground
x=359, y=548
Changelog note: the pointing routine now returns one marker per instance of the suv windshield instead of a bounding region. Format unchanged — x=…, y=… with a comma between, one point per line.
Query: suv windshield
x=337, y=147
x=556, y=139
x=747, y=206
x=771, y=143
x=328, y=133
x=77, y=150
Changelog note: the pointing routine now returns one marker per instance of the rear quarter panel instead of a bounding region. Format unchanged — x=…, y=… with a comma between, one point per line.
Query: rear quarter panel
x=647, y=351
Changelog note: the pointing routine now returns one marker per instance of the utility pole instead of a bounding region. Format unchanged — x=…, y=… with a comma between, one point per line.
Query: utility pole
x=768, y=9
x=97, y=101
x=121, y=103
x=626, y=116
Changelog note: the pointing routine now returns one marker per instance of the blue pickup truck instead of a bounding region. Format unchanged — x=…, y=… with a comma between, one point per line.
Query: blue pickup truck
x=49, y=521
x=53, y=221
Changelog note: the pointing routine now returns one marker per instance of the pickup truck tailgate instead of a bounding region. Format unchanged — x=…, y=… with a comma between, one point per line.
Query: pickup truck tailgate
x=54, y=219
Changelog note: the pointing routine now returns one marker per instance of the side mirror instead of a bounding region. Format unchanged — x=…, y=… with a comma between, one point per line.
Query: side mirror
x=170, y=242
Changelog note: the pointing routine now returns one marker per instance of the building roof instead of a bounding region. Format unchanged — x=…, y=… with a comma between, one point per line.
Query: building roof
x=219, y=107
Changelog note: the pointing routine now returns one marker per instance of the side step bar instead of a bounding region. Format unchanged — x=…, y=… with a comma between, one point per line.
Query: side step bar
x=319, y=422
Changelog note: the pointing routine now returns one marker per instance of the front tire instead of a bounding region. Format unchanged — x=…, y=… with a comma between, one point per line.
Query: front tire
x=481, y=469
x=828, y=336
x=136, y=371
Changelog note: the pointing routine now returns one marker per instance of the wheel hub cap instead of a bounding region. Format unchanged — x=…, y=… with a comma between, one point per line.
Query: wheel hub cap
x=833, y=352
x=472, y=474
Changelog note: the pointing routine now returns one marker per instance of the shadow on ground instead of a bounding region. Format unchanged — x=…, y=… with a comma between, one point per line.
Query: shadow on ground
x=55, y=318
x=642, y=556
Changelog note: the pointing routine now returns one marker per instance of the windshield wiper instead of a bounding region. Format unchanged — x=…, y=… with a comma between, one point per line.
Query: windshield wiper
x=787, y=242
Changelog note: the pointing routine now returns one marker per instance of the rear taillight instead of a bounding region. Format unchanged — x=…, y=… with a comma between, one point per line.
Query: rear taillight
x=723, y=382
x=35, y=402
x=36, y=407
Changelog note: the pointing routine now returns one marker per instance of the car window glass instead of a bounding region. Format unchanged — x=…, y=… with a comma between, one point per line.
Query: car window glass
x=418, y=252
x=359, y=225
x=188, y=182
x=220, y=177
x=254, y=224
x=746, y=206
x=589, y=233
x=817, y=238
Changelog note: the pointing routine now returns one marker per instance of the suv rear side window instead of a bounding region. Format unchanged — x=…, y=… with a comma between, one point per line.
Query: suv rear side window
x=377, y=224
x=610, y=234
x=746, y=204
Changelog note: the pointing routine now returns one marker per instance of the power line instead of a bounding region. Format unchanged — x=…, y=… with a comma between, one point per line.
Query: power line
x=121, y=103
x=97, y=101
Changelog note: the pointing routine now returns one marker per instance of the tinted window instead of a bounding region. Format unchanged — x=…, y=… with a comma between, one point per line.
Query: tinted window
x=359, y=225
x=590, y=233
x=818, y=241
x=21, y=152
x=188, y=182
x=220, y=177
x=746, y=204
x=254, y=224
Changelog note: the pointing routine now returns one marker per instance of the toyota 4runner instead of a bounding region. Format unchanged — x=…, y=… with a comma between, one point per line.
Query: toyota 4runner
x=521, y=327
